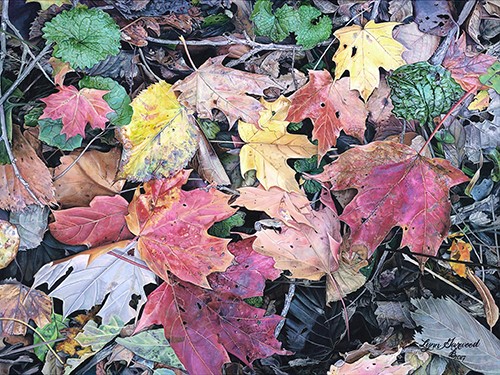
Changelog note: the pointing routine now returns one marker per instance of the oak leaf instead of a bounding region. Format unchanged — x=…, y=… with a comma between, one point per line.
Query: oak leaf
x=171, y=225
x=22, y=303
x=215, y=86
x=161, y=137
x=290, y=208
x=203, y=325
x=102, y=222
x=396, y=187
x=93, y=175
x=332, y=107
x=13, y=195
x=268, y=147
x=88, y=284
x=466, y=67
x=363, y=51
x=76, y=108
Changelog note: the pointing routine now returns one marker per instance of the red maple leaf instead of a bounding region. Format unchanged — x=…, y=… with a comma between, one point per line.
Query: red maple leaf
x=171, y=225
x=396, y=187
x=76, y=108
x=203, y=325
x=103, y=222
x=331, y=106
x=466, y=67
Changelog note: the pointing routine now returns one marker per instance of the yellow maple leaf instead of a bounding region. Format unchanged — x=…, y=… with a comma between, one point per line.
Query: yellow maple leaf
x=363, y=51
x=267, y=149
x=460, y=250
x=481, y=101
x=45, y=4
x=161, y=137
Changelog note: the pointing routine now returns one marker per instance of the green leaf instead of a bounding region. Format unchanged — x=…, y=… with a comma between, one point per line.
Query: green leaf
x=268, y=24
x=215, y=20
x=494, y=155
x=117, y=98
x=255, y=301
x=51, y=331
x=310, y=166
x=308, y=29
x=492, y=77
x=31, y=117
x=294, y=126
x=210, y=128
x=422, y=91
x=50, y=133
x=151, y=345
x=83, y=36
x=223, y=228
x=98, y=337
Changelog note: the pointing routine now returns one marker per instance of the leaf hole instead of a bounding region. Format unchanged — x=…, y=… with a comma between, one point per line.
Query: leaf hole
x=322, y=105
x=353, y=52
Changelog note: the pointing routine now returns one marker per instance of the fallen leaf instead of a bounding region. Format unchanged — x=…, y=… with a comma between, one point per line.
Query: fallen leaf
x=93, y=174
x=45, y=4
x=76, y=109
x=381, y=365
x=347, y=278
x=9, y=243
x=332, y=107
x=490, y=306
x=207, y=163
x=247, y=275
x=481, y=101
x=31, y=225
x=97, y=337
x=13, y=195
x=171, y=225
x=466, y=67
x=215, y=86
x=460, y=250
x=291, y=208
x=434, y=17
x=268, y=147
x=22, y=303
x=364, y=51
x=103, y=222
x=202, y=326
x=308, y=253
x=161, y=137
x=419, y=46
x=396, y=187
x=400, y=10
x=88, y=284
x=59, y=70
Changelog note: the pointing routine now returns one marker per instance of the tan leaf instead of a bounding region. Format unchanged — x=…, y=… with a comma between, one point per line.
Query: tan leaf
x=13, y=195
x=9, y=243
x=419, y=46
x=93, y=175
x=21, y=303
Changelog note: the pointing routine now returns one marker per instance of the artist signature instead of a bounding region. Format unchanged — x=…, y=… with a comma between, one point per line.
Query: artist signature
x=452, y=344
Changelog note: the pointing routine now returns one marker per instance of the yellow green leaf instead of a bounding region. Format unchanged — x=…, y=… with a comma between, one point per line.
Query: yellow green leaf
x=45, y=4
x=267, y=149
x=161, y=137
x=363, y=51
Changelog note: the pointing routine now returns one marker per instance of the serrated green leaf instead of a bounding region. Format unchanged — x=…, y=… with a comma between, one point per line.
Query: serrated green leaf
x=492, y=77
x=268, y=24
x=117, y=98
x=83, y=36
x=31, y=117
x=50, y=133
x=51, y=331
x=151, y=345
x=255, y=301
x=308, y=29
x=294, y=126
x=98, y=337
x=422, y=91
x=210, y=128
x=223, y=228
x=311, y=186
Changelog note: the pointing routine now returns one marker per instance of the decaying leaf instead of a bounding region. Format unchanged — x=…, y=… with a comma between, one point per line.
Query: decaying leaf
x=331, y=106
x=31, y=225
x=9, y=243
x=290, y=208
x=215, y=86
x=268, y=147
x=419, y=46
x=364, y=51
x=88, y=284
x=21, y=303
x=161, y=137
x=396, y=187
x=100, y=223
x=460, y=250
x=434, y=16
x=13, y=195
x=490, y=306
x=94, y=174
x=171, y=225
x=76, y=108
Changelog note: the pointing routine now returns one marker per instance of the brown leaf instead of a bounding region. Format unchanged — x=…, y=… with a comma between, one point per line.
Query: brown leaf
x=213, y=86
x=93, y=175
x=490, y=307
x=207, y=163
x=434, y=16
x=13, y=195
x=419, y=46
x=21, y=303
x=9, y=243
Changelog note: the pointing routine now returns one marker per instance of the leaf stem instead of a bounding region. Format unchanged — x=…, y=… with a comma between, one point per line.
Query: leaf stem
x=38, y=334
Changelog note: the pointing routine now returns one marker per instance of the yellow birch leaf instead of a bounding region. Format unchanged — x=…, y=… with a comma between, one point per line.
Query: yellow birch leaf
x=267, y=149
x=363, y=51
x=161, y=137
x=481, y=101
x=45, y=4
